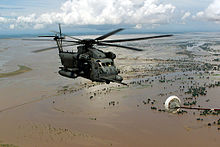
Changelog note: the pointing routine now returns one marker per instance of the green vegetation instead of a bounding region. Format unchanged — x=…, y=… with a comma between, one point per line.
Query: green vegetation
x=22, y=69
x=7, y=145
x=162, y=81
x=206, y=46
x=143, y=86
x=216, y=74
x=213, y=85
x=209, y=112
x=189, y=103
x=153, y=108
x=181, y=112
x=218, y=121
x=217, y=60
x=197, y=91
x=92, y=118
x=118, y=88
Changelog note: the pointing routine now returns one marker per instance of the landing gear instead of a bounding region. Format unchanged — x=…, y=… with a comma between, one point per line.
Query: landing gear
x=107, y=82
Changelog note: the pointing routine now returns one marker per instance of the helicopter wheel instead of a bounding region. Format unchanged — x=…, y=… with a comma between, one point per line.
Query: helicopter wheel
x=107, y=82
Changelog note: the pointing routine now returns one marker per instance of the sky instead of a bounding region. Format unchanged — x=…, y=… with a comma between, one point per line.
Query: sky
x=31, y=16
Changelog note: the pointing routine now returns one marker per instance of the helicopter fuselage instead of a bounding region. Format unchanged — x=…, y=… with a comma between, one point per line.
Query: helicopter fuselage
x=90, y=63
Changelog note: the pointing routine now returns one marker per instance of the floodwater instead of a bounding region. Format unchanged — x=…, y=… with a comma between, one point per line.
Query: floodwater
x=40, y=108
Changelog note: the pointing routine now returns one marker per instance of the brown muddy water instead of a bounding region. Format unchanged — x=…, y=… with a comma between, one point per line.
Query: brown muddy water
x=39, y=108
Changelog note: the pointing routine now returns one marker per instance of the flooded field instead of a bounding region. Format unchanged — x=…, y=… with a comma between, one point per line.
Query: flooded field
x=40, y=108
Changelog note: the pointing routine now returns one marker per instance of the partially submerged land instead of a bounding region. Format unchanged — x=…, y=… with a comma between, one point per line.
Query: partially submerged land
x=41, y=108
x=21, y=70
x=7, y=145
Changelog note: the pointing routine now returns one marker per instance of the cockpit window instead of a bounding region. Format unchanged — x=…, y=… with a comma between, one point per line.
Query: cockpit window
x=100, y=64
x=108, y=64
x=105, y=63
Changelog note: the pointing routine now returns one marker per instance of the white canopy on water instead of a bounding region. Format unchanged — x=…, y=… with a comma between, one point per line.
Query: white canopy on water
x=172, y=104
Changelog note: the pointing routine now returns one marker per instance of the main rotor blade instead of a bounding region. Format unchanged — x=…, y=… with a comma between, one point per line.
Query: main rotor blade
x=49, y=40
x=50, y=48
x=78, y=42
x=109, y=34
x=38, y=39
x=116, y=45
x=135, y=39
x=45, y=49
x=47, y=36
x=68, y=36
x=72, y=37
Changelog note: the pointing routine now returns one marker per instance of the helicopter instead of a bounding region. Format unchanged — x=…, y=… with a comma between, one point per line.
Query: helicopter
x=90, y=62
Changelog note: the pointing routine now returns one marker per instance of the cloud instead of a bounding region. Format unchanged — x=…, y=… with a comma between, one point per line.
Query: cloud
x=138, y=26
x=211, y=13
x=187, y=14
x=12, y=26
x=3, y=20
x=99, y=12
x=38, y=26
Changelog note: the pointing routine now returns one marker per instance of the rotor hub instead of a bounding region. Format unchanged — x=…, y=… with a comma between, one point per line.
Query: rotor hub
x=88, y=42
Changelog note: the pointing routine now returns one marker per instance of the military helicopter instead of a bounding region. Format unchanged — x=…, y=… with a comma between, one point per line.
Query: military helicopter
x=90, y=62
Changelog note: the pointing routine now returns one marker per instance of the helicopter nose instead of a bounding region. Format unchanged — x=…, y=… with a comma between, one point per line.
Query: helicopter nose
x=118, y=78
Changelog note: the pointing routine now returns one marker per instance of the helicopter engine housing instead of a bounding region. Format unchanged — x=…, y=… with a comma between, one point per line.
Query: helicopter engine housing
x=110, y=55
x=68, y=74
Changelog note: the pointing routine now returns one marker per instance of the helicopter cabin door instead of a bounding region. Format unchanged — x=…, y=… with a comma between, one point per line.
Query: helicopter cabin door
x=95, y=72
